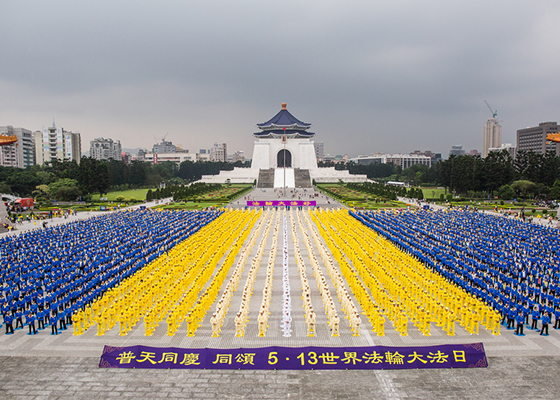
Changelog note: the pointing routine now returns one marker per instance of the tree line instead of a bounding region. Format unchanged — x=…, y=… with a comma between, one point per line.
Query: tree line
x=69, y=181
x=529, y=174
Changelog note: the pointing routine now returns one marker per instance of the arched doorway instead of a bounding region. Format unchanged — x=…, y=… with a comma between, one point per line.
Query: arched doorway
x=284, y=159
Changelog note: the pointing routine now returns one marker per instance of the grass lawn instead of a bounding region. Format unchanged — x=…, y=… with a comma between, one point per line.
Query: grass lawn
x=344, y=192
x=189, y=205
x=372, y=205
x=356, y=199
x=138, y=194
x=432, y=192
x=224, y=192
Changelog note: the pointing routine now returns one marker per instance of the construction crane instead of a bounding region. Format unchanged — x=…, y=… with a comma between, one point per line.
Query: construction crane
x=162, y=139
x=494, y=113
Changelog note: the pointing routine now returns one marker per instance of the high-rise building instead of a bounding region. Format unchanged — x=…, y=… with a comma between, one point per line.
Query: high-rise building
x=56, y=143
x=126, y=157
x=20, y=154
x=319, y=150
x=534, y=139
x=474, y=152
x=457, y=150
x=239, y=155
x=505, y=146
x=105, y=149
x=407, y=160
x=177, y=158
x=164, y=147
x=402, y=160
x=218, y=152
x=492, y=135
x=435, y=157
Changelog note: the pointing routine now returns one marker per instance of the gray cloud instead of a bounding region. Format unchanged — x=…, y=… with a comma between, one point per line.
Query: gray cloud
x=370, y=76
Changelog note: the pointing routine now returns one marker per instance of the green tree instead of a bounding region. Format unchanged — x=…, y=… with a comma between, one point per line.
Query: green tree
x=506, y=192
x=41, y=193
x=93, y=176
x=62, y=169
x=44, y=177
x=22, y=182
x=64, y=190
x=5, y=188
x=498, y=170
x=137, y=173
x=555, y=191
x=523, y=187
x=118, y=172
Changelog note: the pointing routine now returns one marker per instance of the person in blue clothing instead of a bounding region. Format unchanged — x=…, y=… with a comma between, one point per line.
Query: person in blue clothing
x=69, y=312
x=19, y=319
x=549, y=309
x=30, y=320
x=535, y=315
x=557, y=316
x=526, y=311
x=545, y=322
x=9, y=319
x=40, y=319
x=511, y=317
x=62, y=320
x=502, y=310
x=520, y=319
x=53, y=321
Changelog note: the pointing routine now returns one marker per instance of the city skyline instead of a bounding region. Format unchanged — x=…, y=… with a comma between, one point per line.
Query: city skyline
x=370, y=77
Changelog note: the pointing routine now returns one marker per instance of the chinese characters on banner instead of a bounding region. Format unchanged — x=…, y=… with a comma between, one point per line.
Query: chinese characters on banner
x=376, y=357
x=276, y=203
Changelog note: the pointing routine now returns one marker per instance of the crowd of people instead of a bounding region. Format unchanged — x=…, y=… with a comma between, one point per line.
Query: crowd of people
x=310, y=317
x=408, y=265
x=512, y=266
x=242, y=316
x=223, y=303
x=48, y=275
x=399, y=287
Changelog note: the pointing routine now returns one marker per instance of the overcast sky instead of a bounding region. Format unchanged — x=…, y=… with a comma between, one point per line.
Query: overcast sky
x=371, y=76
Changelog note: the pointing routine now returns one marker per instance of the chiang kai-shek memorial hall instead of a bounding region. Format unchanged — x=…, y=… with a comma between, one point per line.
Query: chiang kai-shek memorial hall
x=283, y=156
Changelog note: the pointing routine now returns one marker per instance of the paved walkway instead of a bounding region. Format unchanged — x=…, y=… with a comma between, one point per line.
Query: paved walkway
x=77, y=378
x=66, y=366
x=540, y=221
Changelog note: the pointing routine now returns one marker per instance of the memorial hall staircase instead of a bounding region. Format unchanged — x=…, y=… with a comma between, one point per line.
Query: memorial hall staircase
x=303, y=179
x=266, y=178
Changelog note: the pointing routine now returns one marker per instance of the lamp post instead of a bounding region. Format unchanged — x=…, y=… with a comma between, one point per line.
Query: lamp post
x=284, y=167
x=284, y=140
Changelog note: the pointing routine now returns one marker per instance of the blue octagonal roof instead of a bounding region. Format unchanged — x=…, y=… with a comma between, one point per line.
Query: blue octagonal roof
x=284, y=119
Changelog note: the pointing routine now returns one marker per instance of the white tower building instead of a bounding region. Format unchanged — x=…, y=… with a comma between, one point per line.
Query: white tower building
x=56, y=143
x=492, y=136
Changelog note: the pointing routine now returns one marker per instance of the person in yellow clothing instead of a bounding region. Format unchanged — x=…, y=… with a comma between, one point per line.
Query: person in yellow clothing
x=77, y=319
x=88, y=317
x=450, y=323
x=474, y=323
x=121, y=318
x=99, y=321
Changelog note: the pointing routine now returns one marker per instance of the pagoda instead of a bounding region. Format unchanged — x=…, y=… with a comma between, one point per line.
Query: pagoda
x=283, y=157
x=284, y=124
